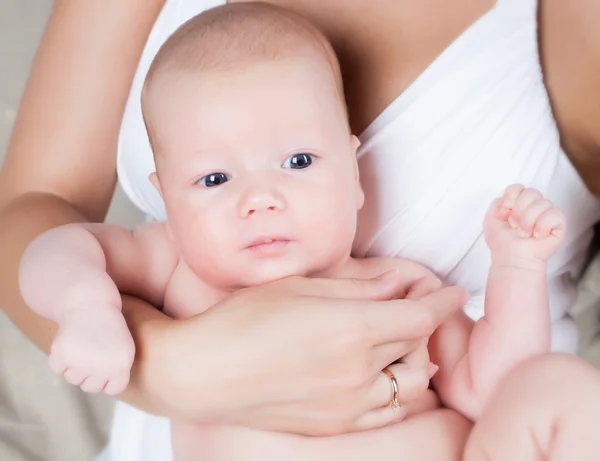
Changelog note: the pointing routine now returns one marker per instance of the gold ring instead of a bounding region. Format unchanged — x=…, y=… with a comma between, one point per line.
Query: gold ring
x=394, y=404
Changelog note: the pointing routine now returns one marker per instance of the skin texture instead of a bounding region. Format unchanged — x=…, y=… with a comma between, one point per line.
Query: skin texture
x=60, y=166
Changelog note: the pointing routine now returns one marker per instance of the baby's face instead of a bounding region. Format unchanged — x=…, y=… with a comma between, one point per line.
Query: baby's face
x=258, y=172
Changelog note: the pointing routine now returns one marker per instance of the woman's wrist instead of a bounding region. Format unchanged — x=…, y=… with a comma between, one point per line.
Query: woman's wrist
x=148, y=326
x=173, y=374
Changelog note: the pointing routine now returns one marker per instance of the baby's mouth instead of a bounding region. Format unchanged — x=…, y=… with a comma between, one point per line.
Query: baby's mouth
x=268, y=245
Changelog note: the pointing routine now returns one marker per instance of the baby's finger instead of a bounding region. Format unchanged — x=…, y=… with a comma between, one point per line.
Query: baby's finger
x=526, y=221
x=525, y=199
x=498, y=211
x=553, y=222
x=509, y=198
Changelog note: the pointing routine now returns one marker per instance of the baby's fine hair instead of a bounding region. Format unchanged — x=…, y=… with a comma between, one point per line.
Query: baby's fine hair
x=237, y=35
x=234, y=35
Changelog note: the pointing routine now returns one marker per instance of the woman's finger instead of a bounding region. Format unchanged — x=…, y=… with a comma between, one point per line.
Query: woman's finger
x=386, y=415
x=419, y=356
x=389, y=285
x=404, y=320
x=385, y=354
x=412, y=383
x=423, y=286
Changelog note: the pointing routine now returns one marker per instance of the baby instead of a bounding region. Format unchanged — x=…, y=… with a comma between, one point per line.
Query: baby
x=257, y=167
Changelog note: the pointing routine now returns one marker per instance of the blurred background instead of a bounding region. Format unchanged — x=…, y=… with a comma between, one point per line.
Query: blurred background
x=42, y=418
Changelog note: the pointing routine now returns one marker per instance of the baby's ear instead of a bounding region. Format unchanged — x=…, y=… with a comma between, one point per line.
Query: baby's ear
x=155, y=182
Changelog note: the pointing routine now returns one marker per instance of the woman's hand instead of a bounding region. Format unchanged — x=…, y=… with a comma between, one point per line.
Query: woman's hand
x=301, y=355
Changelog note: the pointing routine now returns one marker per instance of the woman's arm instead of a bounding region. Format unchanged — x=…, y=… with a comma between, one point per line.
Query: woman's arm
x=570, y=53
x=60, y=165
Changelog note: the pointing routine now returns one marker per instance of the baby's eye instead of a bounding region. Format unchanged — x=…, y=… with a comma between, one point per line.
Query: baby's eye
x=299, y=161
x=213, y=180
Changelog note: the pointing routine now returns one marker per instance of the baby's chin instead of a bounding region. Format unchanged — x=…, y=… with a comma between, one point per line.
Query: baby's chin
x=271, y=271
x=260, y=273
x=247, y=274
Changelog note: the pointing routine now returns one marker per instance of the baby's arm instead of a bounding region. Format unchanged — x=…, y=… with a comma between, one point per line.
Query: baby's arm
x=73, y=275
x=523, y=230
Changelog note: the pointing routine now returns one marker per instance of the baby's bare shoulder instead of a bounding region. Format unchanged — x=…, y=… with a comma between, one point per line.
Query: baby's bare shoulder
x=155, y=238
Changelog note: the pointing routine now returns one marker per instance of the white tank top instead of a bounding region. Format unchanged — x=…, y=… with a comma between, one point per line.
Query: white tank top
x=477, y=120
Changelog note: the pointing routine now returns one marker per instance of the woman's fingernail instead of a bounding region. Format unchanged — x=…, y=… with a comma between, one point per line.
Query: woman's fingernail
x=432, y=369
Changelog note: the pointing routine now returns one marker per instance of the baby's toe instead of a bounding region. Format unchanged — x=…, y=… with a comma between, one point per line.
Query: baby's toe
x=74, y=376
x=57, y=363
x=93, y=384
x=117, y=385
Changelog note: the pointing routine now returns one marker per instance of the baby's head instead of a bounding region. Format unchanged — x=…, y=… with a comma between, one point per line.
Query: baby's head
x=255, y=161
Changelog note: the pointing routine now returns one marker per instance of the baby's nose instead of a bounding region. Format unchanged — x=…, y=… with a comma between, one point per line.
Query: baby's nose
x=260, y=200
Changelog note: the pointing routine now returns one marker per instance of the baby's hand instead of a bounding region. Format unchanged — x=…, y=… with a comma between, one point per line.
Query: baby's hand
x=523, y=226
x=93, y=349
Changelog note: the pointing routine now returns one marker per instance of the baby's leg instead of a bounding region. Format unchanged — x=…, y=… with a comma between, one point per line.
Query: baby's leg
x=547, y=409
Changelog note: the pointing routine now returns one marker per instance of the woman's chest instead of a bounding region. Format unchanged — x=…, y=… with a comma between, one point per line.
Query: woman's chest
x=384, y=46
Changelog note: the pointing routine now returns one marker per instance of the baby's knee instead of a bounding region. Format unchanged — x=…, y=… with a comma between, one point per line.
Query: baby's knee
x=558, y=378
x=435, y=435
x=565, y=369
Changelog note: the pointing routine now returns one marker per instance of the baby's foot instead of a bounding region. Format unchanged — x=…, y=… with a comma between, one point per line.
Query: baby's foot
x=524, y=226
x=93, y=350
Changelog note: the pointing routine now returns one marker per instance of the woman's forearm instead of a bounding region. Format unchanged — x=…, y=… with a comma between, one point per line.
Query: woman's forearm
x=146, y=389
x=22, y=220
